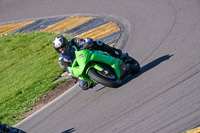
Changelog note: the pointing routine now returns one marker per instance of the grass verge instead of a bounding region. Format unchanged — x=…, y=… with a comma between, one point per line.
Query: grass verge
x=27, y=70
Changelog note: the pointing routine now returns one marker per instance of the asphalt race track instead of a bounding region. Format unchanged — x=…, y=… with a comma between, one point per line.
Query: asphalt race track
x=163, y=35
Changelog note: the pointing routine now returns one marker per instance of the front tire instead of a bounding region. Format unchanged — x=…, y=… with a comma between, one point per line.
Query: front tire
x=111, y=81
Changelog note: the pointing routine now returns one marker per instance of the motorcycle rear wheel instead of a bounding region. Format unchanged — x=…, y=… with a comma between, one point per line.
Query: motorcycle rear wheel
x=134, y=65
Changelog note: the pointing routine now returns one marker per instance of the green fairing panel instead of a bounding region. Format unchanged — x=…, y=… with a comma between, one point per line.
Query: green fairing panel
x=79, y=63
x=82, y=56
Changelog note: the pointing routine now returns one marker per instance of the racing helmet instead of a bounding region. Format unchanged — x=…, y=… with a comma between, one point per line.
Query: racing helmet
x=61, y=44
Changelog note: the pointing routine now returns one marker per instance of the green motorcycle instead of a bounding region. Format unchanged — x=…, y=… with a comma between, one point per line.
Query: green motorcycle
x=99, y=67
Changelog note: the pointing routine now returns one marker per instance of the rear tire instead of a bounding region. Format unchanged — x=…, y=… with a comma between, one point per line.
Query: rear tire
x=134, y=66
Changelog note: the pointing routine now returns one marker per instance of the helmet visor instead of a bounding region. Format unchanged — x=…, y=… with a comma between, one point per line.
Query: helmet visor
x=62, y=49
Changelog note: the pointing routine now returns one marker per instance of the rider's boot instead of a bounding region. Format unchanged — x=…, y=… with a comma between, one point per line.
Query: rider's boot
x=85, y=85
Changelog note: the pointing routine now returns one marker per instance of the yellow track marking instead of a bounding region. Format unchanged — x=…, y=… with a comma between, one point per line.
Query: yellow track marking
x=8, y=28
x=66, y=24
x=196, y=130
x=101, y=31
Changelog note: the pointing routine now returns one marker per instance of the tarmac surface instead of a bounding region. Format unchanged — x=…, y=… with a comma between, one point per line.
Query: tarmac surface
x=163, y=35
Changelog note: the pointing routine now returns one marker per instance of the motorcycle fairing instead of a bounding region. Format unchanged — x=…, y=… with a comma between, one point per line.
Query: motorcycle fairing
x=85, y=59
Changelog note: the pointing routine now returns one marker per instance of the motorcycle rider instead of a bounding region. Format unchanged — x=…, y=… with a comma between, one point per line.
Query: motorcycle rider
x=66, y=50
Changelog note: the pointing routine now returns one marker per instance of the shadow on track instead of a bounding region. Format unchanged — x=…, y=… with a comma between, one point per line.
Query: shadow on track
x=147, y=67
x=100, y=88
x=69, y=130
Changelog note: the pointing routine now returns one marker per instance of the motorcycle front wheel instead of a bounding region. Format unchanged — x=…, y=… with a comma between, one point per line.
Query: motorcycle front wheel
x=106, y=77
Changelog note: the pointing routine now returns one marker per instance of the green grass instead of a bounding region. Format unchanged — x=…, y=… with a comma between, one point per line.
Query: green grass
x=27, y=70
